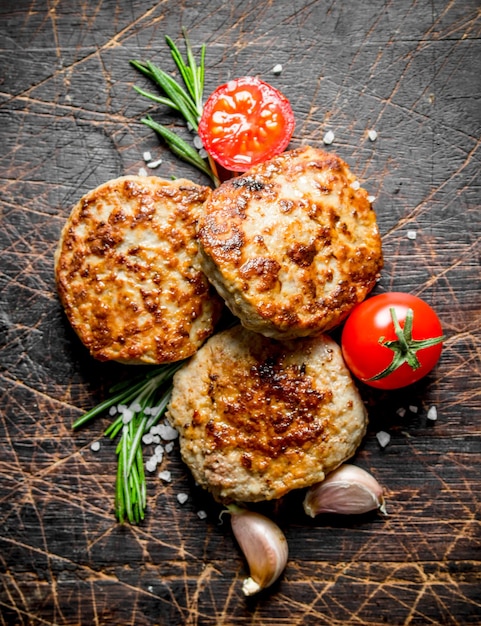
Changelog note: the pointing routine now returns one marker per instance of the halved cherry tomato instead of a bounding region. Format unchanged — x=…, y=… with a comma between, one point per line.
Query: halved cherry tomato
x=392, y=340
x=245, y=122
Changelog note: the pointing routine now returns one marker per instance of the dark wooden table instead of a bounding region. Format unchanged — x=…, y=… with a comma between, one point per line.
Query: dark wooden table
x=69, y=120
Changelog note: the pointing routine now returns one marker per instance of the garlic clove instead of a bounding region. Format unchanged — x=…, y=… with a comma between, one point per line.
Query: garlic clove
x=348, y=490
x=264, y=546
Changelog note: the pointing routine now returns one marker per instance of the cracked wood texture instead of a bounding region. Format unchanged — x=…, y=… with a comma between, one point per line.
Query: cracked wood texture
x=69, y=121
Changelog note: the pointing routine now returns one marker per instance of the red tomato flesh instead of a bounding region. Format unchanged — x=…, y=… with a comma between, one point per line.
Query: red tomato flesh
x=245, y=122
x=370, y=324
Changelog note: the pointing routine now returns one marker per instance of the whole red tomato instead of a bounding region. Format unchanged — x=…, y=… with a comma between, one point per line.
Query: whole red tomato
x=392, y=340
x=245, y=122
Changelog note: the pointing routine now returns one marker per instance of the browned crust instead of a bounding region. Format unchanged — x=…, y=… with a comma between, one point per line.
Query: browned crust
x=258, y=417
x=128, y=272
x=290, y=257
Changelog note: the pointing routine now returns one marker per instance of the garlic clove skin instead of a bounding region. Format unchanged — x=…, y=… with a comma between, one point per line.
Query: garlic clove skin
x=264, y=546
x=348, y=490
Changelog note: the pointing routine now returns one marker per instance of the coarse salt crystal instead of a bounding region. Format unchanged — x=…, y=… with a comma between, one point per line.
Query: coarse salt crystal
x=165, y=475
x=136, y=407
x=411, y=234
x=142, y=171
x=167, y=432
x=127, y=416
x=432, y=413
x=201, y=514
x=147, y=439
x=151, y=465
x=182, y=498
x=113, y=411
x=372, y=134
x=413, y=409
x=371, y=199
x=147, y=156
x=328, y=137
x=95, y=447
x=169, y=447
x=277, y=69
x=203, y=153
x=153, y=164
x=355, y=185
x=383, y=438
x=401, y=411
x=198, y=142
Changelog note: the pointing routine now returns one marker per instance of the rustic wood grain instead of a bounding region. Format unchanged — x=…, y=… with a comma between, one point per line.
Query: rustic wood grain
x=69, y=121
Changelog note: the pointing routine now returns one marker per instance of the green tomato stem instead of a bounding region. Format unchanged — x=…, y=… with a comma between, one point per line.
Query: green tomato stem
x=405, y=347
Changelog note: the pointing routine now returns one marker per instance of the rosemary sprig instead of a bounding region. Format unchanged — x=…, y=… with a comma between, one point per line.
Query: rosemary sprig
x=142, y=402
x=186, y=101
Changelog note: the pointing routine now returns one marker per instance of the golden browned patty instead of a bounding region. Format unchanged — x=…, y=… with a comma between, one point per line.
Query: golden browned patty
x=258, y=417
x=128, y=272
x=292, y=245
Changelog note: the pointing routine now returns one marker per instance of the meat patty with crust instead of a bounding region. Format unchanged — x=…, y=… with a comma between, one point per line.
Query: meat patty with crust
x=292, y=245
x=258, y=417
x=128, y=272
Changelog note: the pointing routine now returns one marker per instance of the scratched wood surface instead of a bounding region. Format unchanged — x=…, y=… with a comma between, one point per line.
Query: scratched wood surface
x=69, y=120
